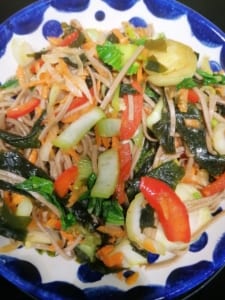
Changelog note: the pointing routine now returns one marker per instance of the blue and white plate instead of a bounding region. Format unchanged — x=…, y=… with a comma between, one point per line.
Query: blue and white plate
x=45, y=277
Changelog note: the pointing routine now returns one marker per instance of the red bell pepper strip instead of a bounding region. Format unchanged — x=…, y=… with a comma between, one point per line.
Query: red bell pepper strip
x=171, y=211
x=192, y=96
x=214, y=187
x=130, y=125
x=66, y=40
x=77, y=101
x=64, y=180
x=125, y=159
x=23, y=109
x=69, y=39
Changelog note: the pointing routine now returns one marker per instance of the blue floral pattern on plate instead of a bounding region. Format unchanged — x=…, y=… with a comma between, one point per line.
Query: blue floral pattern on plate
x=44, y=277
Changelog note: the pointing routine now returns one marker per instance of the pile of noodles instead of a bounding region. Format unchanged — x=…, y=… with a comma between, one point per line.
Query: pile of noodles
x=56, y=83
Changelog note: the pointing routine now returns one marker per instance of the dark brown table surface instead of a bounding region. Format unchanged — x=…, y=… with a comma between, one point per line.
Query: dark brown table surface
x=213, y=10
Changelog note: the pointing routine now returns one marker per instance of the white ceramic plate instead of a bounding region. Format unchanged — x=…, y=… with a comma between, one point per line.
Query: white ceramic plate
x=46, y=277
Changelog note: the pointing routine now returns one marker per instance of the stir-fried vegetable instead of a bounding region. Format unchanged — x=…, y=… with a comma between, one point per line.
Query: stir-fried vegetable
x=112, y=147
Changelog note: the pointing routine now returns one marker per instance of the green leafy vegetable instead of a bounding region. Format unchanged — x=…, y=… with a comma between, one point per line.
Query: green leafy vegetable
x=116, y=56
x=207, y=79
x=210, y=79
x=86, y=250
x=45, y=187
x=11, y=83
x=187, y=83
x=112, y=212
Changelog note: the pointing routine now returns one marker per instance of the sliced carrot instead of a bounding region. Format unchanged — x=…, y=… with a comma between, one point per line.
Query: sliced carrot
x=115, y=142
x=76, y=115
x=54, y=223
x=33, y=156
x=215, y=187
x=137, y=86
x=122, y=38
x=109, y=258
x=111, y=230
x=132, y=279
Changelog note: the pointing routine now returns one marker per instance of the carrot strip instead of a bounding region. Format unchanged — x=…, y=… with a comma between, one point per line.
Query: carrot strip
x=140, y=77
x=110, y=259
x=20, y=74
x=115, y=142
x=54, y=223
x=76, y=115
x=106, y=142
x=122, y=39
x=115, y=231
x=132, y=279
x=33, y=156
x=215, y=187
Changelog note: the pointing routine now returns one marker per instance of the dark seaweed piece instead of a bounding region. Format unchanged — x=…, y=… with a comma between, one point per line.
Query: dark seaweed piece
x=13, y=161
x=147, y=217
x=170, y=172
x=195, y=139
x=23, y=142
x=161, y=130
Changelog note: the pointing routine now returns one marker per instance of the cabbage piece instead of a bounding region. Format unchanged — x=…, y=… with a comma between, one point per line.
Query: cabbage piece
x=117, y=55
x=179, y=61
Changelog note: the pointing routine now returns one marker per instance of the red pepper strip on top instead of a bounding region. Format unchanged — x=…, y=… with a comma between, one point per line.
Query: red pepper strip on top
x=125, y=168
x=69, y=39
x=130, y=125
x=171, y=211
x=66, y=41
x=77, y=101
x=214, y=187
x=23, y=109
x=64, y=180
x=192, y=96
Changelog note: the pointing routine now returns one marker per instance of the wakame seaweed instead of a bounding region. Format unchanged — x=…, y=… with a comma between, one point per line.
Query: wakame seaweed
x=14, y=162
x=24, y=142
x=195, y=139
x=170, y=172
